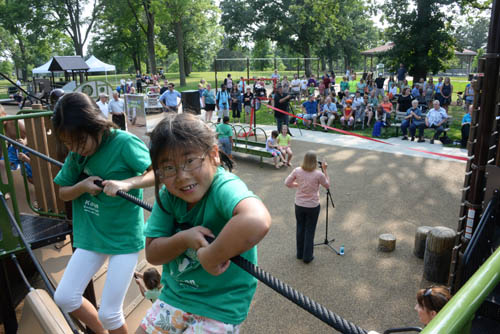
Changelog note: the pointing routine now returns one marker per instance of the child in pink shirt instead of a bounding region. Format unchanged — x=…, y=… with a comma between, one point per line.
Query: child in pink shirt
x=307, y=179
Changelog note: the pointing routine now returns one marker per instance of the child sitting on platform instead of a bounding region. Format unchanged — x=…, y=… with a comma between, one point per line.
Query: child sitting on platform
x=195, y=199
x=273, y=148
x=284, y=139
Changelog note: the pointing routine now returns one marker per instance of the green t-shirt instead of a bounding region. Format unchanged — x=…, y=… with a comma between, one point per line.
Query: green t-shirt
x=284, y=140
x=104, y=224
x=186, y=285
x=224, y=130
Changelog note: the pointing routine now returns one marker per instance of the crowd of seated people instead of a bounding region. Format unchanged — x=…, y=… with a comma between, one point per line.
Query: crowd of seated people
x=373, y=101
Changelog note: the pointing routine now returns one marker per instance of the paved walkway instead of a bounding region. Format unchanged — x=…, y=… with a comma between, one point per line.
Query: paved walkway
x=397, y=146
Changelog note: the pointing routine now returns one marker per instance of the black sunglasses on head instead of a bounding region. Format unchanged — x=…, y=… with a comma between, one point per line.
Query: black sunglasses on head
x=428, y=294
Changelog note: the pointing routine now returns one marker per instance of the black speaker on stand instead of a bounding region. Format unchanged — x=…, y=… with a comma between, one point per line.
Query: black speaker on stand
x=191, y=101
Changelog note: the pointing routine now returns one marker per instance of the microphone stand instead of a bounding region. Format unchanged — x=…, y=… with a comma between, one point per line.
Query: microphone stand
x=326, y=242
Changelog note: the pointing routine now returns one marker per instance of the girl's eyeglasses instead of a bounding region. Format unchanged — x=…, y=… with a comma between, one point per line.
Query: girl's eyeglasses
x=189, y=165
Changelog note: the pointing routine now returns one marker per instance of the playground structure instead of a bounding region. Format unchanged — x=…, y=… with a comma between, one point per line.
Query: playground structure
x=477, y=232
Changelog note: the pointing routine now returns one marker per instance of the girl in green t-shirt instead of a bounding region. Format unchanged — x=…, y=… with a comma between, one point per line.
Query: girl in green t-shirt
x=202, y=291
x=104, y=226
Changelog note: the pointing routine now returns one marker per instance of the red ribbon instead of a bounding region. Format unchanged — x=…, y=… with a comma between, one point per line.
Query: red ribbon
x=368, y=138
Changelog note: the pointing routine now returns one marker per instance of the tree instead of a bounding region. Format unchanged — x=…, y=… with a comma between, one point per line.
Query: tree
x=68, y=15
x=27, y=36
x=421, y=33
x=149, y=10
x=299, y=24
x=356, y=33
x=181, y=17
x=116, y=37
x=262, y=49
x=473, y=33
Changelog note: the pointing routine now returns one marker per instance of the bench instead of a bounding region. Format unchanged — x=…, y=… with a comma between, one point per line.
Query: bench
x=11, y=90
x=243, y=144
x=400, y=116
x=398, y=119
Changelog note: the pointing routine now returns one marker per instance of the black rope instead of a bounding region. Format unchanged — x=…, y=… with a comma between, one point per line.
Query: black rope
x=316, y=309
x=22, y=90
x=311, y=306
x=119, y=193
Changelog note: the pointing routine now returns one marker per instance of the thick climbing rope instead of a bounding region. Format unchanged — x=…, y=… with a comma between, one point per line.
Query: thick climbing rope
x=311, y=306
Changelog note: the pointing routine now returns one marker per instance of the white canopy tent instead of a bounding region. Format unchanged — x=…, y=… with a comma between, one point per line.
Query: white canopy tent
x=98, y=66
x=44, y=69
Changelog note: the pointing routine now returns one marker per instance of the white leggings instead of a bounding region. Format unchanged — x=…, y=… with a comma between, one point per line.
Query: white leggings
x=81, y=268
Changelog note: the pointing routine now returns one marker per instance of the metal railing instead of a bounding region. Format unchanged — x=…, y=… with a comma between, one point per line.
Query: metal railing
x=456, y=316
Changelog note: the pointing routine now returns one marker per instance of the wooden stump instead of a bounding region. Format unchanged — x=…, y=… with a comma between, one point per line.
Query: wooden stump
x=386, y=242
x=437, y=256
x=420, y=238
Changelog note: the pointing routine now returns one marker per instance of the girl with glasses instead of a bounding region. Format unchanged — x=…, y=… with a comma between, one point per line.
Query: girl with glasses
x=202, y=291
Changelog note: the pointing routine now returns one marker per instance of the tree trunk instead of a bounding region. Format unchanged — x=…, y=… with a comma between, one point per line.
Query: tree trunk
x=330, y=64
x=179, y=36
x=323, y=64
x=137, y=66
x=78, y=48
x=24, y=63
x=151, y=45
x=419, y=73
x=187, y=66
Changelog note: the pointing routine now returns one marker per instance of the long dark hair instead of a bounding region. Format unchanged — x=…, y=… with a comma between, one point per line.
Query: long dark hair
x=77, y=116
x=175, y=135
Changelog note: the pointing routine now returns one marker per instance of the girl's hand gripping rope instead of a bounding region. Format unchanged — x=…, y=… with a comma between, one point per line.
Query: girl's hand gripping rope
x=88, y=185
x=111, y=187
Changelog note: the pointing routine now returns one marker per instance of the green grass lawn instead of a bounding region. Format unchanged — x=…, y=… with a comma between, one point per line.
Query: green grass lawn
x=266, y=115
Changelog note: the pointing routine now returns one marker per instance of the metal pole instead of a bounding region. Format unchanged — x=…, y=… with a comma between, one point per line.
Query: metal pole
x=215, y=70
x=458, y=312
x=488, y=82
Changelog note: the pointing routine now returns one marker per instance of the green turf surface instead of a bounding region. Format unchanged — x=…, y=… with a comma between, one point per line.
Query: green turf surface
x=266, y=115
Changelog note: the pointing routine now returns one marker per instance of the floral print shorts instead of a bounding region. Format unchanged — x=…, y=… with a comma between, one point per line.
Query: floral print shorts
x=163, y=318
